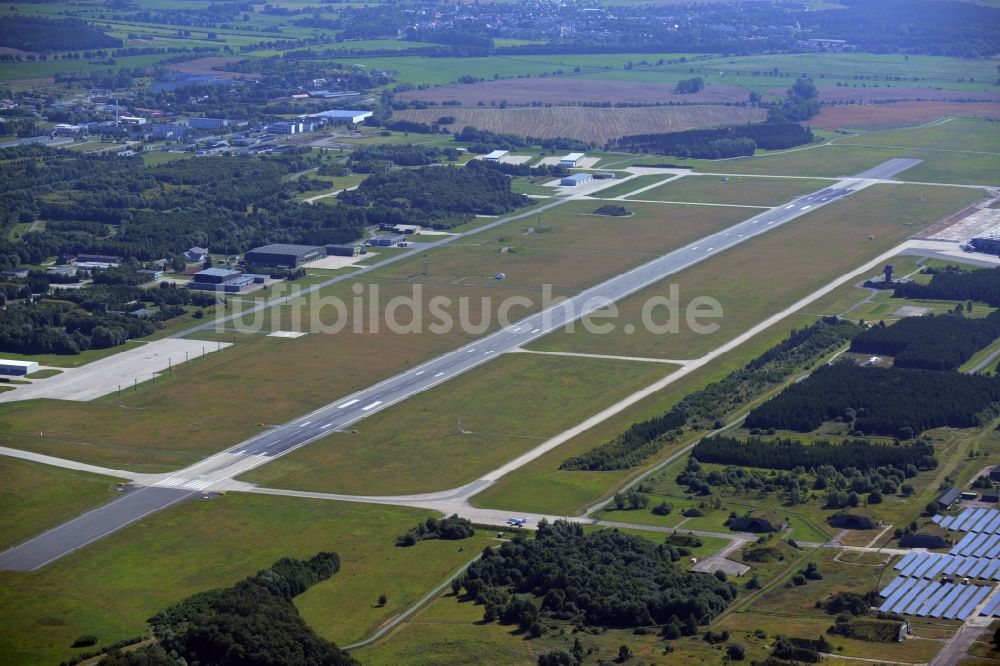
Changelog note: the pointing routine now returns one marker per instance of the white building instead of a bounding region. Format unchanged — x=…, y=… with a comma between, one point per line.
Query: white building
x=571, y=160
x=496, y=156
x=17, y=368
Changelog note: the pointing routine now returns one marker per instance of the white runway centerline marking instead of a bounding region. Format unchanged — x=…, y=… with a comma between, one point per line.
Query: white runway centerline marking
x=346, y=404
x=325, y=426
x=371, y=406
x=303, y=425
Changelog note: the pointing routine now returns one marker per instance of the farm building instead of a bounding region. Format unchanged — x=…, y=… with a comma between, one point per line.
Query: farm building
x=220, y=279
x=604, y=175
x=343, y=250
x=283, y=255
x=496, y=156
x=576, y=179
x=151, y=273
x=571, y=160
x=386, y=240
x=17, y=368
x=948, y=497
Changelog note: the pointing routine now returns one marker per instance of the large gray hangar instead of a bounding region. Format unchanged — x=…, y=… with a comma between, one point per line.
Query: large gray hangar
x=281, y=255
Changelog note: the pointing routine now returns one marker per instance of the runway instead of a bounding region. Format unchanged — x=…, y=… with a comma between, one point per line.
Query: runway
x=135, y=504
x=341, y=414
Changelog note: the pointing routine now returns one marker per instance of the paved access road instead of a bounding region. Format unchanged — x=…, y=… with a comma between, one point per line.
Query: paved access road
x=135, y=504
x=341, y=414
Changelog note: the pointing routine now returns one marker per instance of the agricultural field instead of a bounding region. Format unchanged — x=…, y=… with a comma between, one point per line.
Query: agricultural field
x=410, y=447
x=110, y=587
x=898, y=114
x=568, y=89
x=596, y=125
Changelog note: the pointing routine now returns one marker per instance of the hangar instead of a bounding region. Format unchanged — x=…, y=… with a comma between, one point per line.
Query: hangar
x=281, y=255
x=17, y=368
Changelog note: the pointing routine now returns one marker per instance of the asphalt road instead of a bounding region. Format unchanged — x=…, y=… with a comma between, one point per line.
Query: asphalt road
x=134, y=505
x=346, y=411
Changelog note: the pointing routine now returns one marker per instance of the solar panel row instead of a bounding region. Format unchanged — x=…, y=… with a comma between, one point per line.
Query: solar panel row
x=972, y=520
x=992, y=607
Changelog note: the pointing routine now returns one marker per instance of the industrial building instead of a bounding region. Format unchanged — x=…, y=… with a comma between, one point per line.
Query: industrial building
x=343, y=250
x=334, y=116
x=496, y=156
x=220, y=279
x=571, y=160
x=990, y=244
x=17, y=368
x=386, y=240
x=281, y=255
x=207, y=123
x=576, y=179
x=285, y=128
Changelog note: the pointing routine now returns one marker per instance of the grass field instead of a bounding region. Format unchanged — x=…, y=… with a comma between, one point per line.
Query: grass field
x=36, y=497
x=743, y=190
x=506, y=407
x=566, y=247
x=631, y=185
x=110, y=587
x=540, y=486
x=770, y=271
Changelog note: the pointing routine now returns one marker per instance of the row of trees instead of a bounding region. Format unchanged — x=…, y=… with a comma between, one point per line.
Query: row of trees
x=934, y=343
x=717, y=143
x=790, y=454
x=703, y=408
x=895, y=401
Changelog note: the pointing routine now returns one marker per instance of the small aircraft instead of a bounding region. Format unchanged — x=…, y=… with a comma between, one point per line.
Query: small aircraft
x=500, y=276
x=517, y=522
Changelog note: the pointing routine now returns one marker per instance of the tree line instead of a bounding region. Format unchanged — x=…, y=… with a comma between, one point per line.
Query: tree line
x=981, y=285
x=876, y=401
x=942, y=342
x=452, y=528
x=736, y=141
x=703, y=408
x=790, y=453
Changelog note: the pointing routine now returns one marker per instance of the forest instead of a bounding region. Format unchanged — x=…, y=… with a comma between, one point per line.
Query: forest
x=436, y=197
x=117, y=206
x=941, y=342
x=789, y=453
x=34, y=33
x=703, y=408
x=981, y=285
x=605, y=578
x=897, y=402
x=253, y=622
x=717, y=143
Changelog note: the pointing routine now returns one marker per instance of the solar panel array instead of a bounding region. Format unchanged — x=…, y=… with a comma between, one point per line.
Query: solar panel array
x=976, y=556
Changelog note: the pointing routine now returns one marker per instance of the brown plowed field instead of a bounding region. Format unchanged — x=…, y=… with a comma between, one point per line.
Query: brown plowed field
x=568, y=90
x=898, y=114
x=588, y=124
